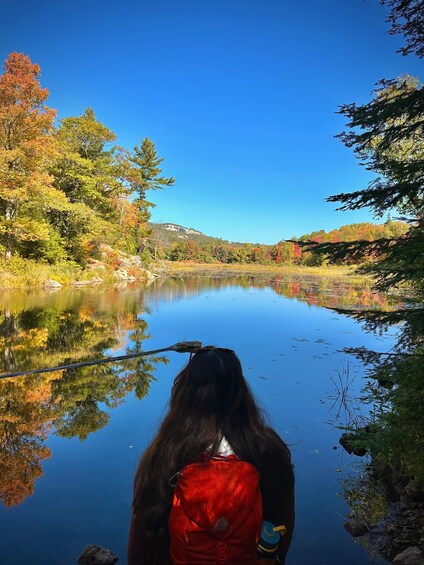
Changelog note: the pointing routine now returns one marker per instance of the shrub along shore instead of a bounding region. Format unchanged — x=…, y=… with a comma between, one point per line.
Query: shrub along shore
x=18, y=273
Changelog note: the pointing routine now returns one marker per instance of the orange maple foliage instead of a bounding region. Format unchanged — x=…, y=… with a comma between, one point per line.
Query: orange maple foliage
x=25, y=422
x=27, y=147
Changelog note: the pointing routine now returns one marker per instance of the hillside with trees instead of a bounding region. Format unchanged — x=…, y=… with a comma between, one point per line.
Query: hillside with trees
x=66, y=187
x=177, y=243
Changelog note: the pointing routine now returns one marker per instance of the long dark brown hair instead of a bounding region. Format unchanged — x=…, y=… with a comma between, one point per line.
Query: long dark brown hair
x=210, y=399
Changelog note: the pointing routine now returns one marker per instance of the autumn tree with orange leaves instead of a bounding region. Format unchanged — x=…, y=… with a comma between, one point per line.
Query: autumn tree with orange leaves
x=66, y=191
x=27, y=147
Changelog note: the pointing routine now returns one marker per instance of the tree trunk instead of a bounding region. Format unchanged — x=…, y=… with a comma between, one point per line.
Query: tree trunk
x=10, y=216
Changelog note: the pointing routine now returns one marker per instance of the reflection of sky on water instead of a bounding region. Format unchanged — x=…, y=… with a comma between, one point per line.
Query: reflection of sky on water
x=289, y=351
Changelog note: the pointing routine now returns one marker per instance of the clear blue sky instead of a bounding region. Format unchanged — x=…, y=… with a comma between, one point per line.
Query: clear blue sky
x=240, y=97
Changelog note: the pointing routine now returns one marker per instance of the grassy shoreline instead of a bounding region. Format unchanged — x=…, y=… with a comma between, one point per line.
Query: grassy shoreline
x=24, y=274
x=188, y=267
x=21, y=274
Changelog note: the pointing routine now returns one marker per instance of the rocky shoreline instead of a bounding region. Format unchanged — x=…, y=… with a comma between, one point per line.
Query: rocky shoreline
x=113, y=266
x=398, y=536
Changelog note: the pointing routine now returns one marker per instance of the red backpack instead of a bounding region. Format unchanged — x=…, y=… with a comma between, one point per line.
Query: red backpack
x=216, y=513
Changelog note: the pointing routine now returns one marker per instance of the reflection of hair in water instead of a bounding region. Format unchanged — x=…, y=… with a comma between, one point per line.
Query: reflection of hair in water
x=210, y=400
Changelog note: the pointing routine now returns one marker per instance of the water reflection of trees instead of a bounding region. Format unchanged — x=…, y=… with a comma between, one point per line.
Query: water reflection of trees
x=48, y=330
x=25, y=415
x=36, y=332
x=326, y=292
x=332, y=293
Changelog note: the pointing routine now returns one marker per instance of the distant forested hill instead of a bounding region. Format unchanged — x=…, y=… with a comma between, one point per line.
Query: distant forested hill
x=169, y=233
x=354, y=232
x=179, y=243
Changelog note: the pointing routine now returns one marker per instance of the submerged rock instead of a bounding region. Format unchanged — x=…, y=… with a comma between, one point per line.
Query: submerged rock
x=414, y=491
x=97, y=555
x=92, y=281
x=347, y=442
x=410, y=556
x=356, y=529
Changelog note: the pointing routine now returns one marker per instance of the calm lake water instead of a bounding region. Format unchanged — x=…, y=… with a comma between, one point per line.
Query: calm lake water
x=69, y=441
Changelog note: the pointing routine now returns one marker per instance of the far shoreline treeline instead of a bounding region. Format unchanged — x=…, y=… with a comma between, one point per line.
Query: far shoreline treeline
x=184, y=244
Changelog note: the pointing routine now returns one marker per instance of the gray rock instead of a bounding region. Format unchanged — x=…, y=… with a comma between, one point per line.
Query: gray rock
x=97, y=555
x=125, y=263
x=81, y=283
x=104, y=248
x=136, y=260
x=410, y=556
x=356, y=528
x=52, y=284
x=130, y=260
x=414, y=491
x=121, y=274
x=94, y=280
x=94, y=264
x=149, y=275
x=347, y=442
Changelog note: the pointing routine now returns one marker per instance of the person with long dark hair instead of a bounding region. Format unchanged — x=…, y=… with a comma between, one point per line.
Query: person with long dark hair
x=212, y=416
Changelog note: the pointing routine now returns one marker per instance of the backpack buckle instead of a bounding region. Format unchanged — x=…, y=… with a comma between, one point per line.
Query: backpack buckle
x=221, y=552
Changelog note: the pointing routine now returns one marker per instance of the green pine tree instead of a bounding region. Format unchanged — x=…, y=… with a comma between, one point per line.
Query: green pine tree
x=387, y=136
